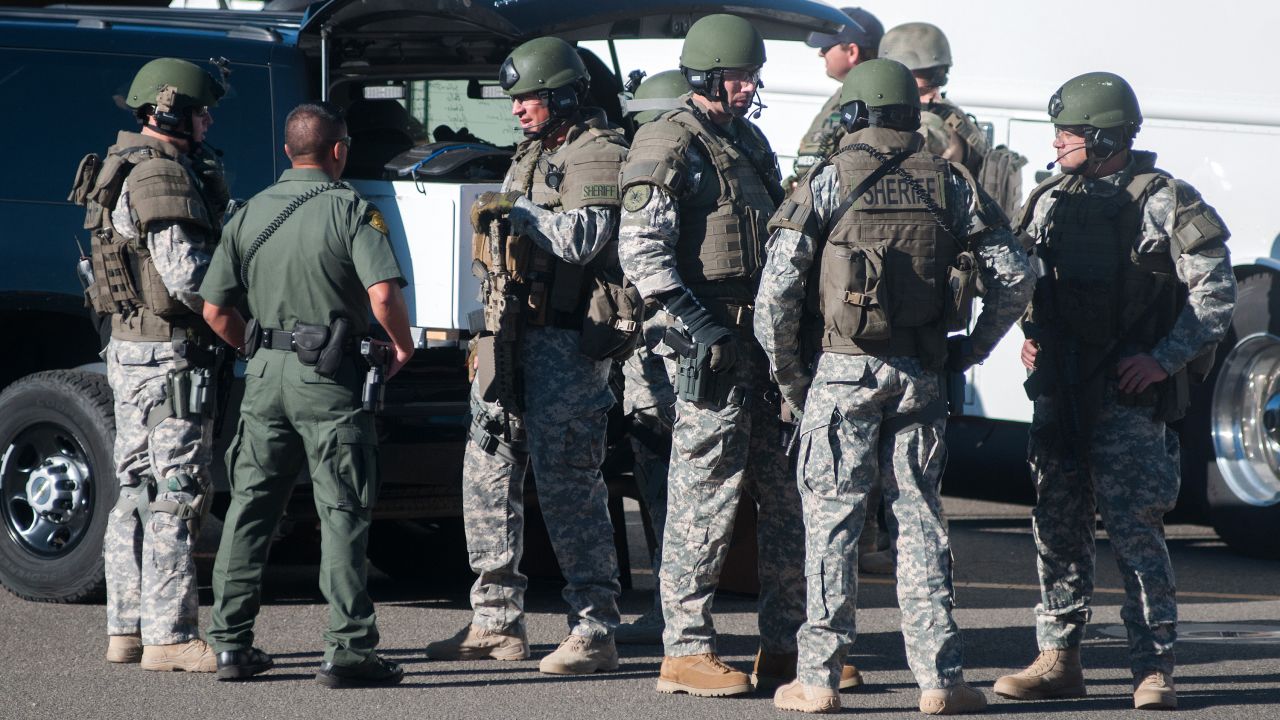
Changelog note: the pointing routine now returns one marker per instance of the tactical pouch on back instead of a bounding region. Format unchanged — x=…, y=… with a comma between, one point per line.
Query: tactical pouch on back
x=854, y=281
x=330, y=358
x=308, y=341
x=962, y=285
x=611, y=326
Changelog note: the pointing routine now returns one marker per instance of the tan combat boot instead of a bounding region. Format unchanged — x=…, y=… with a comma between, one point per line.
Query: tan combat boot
x=701, y=675
x=1153, y=690
x=124, y=648
x=475, y=643
x=806, y=698
x=773, y=670
x=955, y=700
x=580, y=655
x=190, y=656
x=1054, y=674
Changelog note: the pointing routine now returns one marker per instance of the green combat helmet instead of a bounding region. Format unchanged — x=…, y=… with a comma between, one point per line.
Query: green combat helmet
x=1103, y=106
x=881, y=93
x=173, y=85
x=657, y=94
x=544, y=65
x=920, y=46
x=717, y=43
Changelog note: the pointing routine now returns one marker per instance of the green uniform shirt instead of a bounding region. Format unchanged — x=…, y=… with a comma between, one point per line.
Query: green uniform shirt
x=317, y=265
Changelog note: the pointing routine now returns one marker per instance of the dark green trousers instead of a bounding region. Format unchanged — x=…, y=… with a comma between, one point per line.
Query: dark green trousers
x=292, y=418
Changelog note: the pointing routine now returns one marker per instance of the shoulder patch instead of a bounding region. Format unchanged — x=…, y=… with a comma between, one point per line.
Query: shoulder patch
x=376, y=221
x=636, y=197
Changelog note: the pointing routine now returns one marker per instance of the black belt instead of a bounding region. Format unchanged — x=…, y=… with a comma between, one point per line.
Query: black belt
x=272, y=339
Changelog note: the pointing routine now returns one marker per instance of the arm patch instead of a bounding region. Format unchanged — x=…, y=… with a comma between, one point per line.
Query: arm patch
x=1197, y=226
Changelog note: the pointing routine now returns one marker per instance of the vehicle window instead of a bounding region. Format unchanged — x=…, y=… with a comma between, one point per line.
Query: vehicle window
x=78, y=105
x=437, y=103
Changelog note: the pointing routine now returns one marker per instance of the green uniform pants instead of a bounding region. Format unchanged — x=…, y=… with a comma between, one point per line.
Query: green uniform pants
x=291, y=415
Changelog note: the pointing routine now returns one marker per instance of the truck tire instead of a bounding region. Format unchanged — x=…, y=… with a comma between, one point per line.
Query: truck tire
x=57, y=484
x=1243, y=485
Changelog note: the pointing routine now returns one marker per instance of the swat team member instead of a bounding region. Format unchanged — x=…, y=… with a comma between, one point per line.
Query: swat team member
x=541, y=392
x=1137, y=291
x=155, y=206
x=648, y=398
x=948, y=130
x=311, y=257
x=858, y=41
x=876, y=243
x=698, y=187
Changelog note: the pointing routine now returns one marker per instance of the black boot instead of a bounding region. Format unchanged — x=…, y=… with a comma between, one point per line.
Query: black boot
x=242, y=664
x=372, y=672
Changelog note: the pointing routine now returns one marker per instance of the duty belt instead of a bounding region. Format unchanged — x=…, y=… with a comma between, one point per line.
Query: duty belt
x=272, y=339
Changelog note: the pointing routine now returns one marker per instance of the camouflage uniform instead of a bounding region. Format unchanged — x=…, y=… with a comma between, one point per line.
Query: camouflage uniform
x=718, y=450
x=1132, y=474
x=868, y=416
x=649, y=400
x=151, y=578
x=567, y=400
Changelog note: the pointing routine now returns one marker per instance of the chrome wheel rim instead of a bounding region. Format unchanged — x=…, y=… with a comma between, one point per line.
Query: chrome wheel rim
x=1246, y=419
x=46, y=490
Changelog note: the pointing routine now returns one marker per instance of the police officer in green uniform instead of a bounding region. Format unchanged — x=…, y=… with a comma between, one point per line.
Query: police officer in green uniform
x=857, y=42
x=312, y=259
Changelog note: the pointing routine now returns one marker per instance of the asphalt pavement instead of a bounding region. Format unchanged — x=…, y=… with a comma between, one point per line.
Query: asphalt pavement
x=1229, y=657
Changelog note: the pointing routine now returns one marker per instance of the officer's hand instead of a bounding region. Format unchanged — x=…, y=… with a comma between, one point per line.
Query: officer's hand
x=961, y=354
x=491, y=206
x=402, y=357
x=1030, y=351
x=1138, y=372
x=794, y=393
x=724, y=354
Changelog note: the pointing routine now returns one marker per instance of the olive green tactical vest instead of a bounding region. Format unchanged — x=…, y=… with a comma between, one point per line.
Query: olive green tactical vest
x=974, y=140
x=581, y=172
x=723, y=221
x=1104, y=291
x=882, y=277
x=162, y=188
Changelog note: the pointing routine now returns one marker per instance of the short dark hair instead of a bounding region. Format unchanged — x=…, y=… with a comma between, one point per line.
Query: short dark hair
x=312, y=128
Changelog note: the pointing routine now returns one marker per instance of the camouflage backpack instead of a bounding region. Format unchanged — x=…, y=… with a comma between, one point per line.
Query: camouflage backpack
x=1001, y=176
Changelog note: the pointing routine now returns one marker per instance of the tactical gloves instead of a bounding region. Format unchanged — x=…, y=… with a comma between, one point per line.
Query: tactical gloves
x=794, y=384
x=961, y=354
x=702, y=328
x=492, y=206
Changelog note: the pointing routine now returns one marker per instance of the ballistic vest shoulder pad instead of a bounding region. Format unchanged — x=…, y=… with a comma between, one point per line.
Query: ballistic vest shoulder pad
x=591, y=169
x=1023, y=219
x=162, y=189
x=1197, y=226
x=658, y=155
x=796, y=212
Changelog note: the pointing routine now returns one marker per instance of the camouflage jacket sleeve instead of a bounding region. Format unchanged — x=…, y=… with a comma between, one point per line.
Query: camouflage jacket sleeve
x=180, y=253
x=647, y=236
x=575, y=236
x=1207, y=274
x=790, y=255
x=1002, y=262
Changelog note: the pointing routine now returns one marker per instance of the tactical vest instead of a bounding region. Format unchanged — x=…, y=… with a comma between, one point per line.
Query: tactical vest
x=593, y=299
x=162, y=188
x=975, y=145
x=822, y=138
x=723, y=221
x=882, y=278
x=1105, y=292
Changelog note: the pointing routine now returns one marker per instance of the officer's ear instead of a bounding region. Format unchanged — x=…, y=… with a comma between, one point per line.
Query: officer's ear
x=287, y=152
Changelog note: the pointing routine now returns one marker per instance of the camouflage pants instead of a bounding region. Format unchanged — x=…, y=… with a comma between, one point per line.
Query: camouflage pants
x=717, y=453
x=868, y=417
x=567, y=399
x=648, y=399
x=151, y=578
x=1132, y=480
